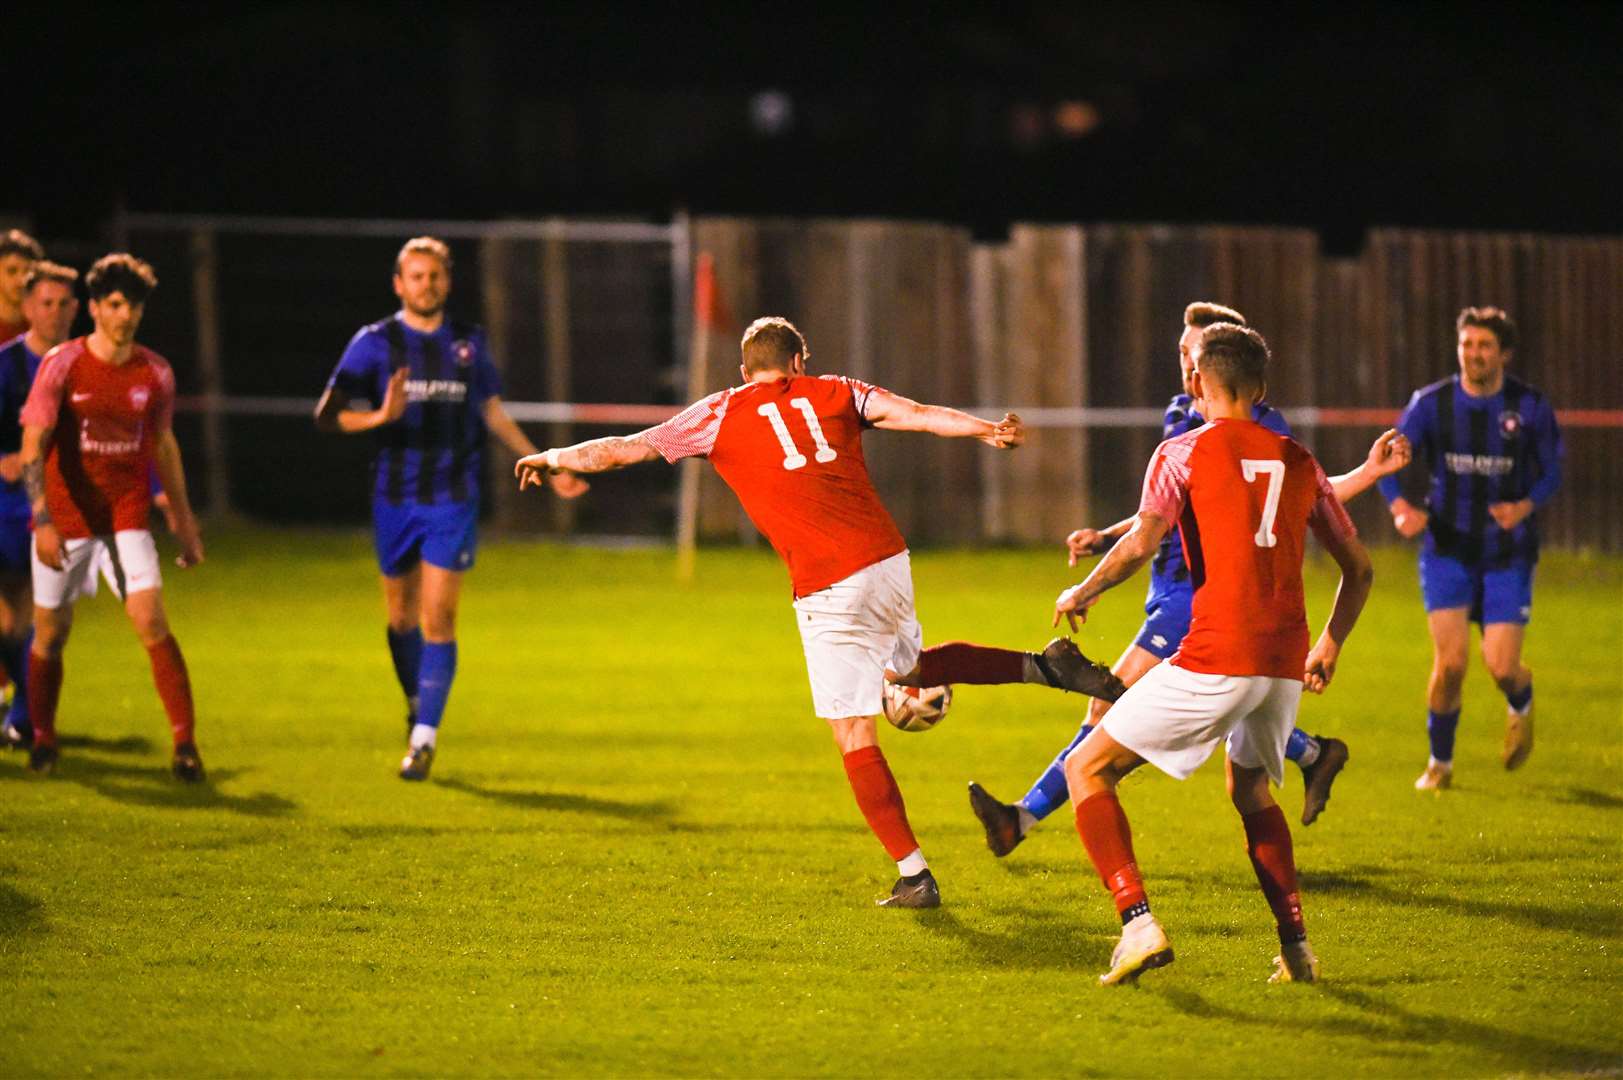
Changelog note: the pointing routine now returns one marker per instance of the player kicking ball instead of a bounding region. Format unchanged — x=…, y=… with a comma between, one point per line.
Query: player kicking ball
x=97, y=421
x=1243, y=497
x=789, y=444
x=1166, y=613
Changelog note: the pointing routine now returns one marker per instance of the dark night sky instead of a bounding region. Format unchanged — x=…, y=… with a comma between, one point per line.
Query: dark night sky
x=1349, y=116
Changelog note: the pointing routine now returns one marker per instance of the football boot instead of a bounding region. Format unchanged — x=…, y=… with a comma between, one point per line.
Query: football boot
x=1518, y=737
x=1295, y=963
x=1143, y=947
x=1000, y=820
x=1318, y=777
x=1064, y=666
x=417, y=763
x=916, y=891
x=187, y=764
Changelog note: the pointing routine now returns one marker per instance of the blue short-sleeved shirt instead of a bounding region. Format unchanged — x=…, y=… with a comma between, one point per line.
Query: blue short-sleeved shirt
x=434, y=453
x=1477, y=451
x=18, y=365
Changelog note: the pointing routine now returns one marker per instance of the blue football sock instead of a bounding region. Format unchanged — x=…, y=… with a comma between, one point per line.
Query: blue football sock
x=1297, y=744
x=406, y=650
x=1051, y=792
x=14, y=657
x=1519, y=701
x=434, y=682
x=1440, y=726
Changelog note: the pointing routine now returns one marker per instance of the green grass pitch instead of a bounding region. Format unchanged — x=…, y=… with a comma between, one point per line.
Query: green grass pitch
x=638, y=853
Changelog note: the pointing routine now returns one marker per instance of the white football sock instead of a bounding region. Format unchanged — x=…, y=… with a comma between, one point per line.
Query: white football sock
x=1027, y=819
x=912, y=864
x=423, y=735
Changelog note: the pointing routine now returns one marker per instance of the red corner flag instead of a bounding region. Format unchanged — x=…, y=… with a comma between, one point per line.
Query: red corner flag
x=709, y=309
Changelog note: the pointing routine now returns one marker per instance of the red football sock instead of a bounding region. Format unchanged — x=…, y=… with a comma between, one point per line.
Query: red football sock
x=1109, y=840
x=960, y=662
x=1268, y=838
x=174, y=687
x=44, y=689
x=880, y=800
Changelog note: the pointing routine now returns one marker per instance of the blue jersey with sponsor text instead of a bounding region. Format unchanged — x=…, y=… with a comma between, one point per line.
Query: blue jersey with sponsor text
x=18, y=365
x=435, y=452
x=1477, y=451
x=1169, y=571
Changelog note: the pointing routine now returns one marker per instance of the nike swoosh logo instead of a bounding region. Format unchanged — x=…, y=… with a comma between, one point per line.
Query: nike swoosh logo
x=81, y=397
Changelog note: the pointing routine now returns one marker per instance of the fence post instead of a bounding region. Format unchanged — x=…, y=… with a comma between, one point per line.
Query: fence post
x=560, y=371
x=206, y=299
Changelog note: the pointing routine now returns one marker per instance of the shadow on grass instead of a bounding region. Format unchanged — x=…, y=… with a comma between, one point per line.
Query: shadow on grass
x=1390, y=1023
x=563, y=801
x=1590, y=921
x=19, y=912
x=153, y=786
x=1600, y=800
x=1045, y=939
x=124, y=744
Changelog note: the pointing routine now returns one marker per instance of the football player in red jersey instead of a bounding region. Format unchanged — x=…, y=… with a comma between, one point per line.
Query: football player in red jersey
x=96, y=422
x=18, y=254
x=1243, y=499
x=789, y=444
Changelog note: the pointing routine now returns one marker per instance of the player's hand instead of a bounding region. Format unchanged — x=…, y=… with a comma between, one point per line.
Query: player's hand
x=1409, y=520
x=394, y=397
x=567, y=485
x=1073, y=607
x=190, y=535
x=1321, y=665
x=1510, y=514
x=532, y=469
x=1007, y=433
x=11, y=468
x=1389, y=453
x=1084, y=542
x=48, y=545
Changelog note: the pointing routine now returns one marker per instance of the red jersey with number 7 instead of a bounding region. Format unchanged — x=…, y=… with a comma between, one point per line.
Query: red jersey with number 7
x=106, y=419
x=1243, y=498
x=791, y=450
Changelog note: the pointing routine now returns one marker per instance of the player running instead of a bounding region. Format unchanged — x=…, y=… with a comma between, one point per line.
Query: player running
x=1166, y=610
x=49, y=305
x=97, y=420
x=433, y=392
x=790, y=446
x=1243, y=498
x=1493, y=457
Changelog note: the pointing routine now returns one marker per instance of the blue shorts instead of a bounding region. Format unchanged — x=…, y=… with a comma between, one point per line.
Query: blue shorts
x=443, y=534
x=16, y=545
x=1166, y=621
x=1494, y=595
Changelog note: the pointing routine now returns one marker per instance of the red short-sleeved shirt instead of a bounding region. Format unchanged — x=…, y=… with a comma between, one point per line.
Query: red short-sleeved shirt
x=107, y=419
x=791, y=450
x=1243, y=498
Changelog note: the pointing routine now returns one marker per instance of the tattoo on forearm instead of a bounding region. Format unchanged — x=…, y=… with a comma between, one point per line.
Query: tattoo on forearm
x=601, y=454
x=34, y=484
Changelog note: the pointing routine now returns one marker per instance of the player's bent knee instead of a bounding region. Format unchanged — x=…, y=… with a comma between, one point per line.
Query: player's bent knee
x=854, y=732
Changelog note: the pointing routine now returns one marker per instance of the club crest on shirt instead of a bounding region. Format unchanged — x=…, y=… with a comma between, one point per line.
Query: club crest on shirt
x=462, y=349
x=1510, y=424
x=139, y=396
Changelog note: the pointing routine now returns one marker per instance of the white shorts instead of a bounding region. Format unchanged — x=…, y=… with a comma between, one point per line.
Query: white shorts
x=1174, y=719
x=128, y=559
x=855, y=629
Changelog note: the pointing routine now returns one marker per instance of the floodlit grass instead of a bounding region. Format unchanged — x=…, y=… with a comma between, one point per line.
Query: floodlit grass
x=639, y=855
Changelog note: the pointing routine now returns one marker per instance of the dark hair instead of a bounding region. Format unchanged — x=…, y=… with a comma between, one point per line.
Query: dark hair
x=1204, y=313
x=17, y=242
x=424, y=245
x=121, y=272
x=44, y=270
x=770, y=343
x=1496, y=321
x=1236, y=356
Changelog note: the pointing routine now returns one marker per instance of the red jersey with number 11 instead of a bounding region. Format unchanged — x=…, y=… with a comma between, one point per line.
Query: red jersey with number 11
x=791, y=450
x=1243, y=498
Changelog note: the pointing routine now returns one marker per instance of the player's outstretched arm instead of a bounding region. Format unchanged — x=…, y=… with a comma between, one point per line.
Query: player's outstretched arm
x=1125, y=559
x=1388, y=454
x=166, y=459
x=1085, y=542
x=333, y=412
x=565, y=485
x=593, y=456
x=893, y=412
x=1357, y=575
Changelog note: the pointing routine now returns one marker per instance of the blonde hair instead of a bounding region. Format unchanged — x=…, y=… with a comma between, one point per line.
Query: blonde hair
x=770, y=343
x=424, y=245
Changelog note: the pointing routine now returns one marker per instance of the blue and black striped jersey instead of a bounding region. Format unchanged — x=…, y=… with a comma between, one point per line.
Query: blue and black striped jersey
x=1477, y=451
x=434, y=453
x=1169, y=570
x=18, y=365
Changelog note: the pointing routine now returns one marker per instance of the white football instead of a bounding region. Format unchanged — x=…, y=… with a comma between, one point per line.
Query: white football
x=916, y=708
